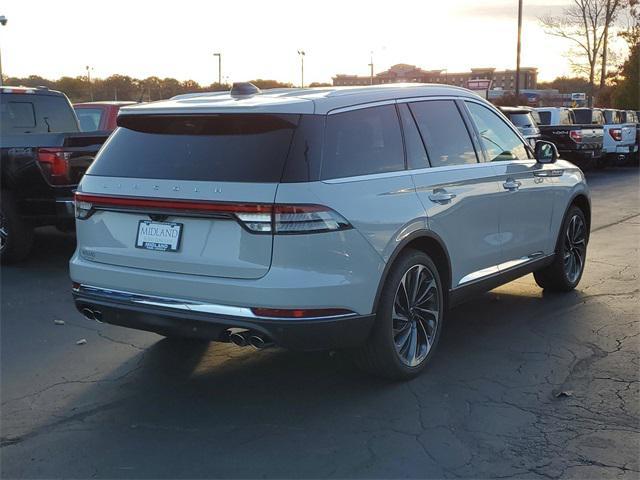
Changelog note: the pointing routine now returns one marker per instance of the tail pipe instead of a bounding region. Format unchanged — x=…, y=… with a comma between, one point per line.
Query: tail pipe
x=90, y=314
x=259, y=342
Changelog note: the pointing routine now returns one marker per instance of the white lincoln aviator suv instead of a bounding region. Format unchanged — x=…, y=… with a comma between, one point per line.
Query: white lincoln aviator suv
x=347, y=218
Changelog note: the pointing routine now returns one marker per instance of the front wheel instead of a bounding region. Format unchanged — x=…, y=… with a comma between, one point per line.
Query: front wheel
x=409, y=319
x=565, y=272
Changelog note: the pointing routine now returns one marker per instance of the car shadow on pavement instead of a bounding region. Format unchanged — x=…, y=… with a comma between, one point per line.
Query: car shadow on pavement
x=199, y=404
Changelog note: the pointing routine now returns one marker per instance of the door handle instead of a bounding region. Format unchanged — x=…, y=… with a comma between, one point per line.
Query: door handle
x=511, y=185
x=441, y=196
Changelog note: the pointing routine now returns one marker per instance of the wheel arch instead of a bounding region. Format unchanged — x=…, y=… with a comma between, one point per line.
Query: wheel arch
x=425, y=241
x=581, y=201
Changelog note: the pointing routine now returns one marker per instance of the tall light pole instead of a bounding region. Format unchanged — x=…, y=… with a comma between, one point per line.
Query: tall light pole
x=89, y=80
x=219, y=55
x=302, y=54
x=519, y=48
x=371, y=67
x=3, y=22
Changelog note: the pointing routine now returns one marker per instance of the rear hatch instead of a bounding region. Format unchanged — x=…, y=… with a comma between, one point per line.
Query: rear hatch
x=188, y=194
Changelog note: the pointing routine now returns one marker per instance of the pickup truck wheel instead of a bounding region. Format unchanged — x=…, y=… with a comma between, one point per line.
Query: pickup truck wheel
x=564, y=274
x=408, y=322
x=16, y=236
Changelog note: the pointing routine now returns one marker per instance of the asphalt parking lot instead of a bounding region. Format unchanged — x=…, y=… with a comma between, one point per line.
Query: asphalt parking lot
x=524, y=385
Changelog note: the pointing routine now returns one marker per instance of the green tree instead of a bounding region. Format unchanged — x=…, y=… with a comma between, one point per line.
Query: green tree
x=626, y=91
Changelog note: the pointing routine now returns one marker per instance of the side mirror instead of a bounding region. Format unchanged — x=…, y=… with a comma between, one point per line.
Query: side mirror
x=545, y=152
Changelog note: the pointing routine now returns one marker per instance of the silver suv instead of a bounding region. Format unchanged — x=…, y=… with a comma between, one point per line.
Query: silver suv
x=320, y=218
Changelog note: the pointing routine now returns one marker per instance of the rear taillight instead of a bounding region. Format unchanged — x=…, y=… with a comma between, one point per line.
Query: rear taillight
x=292, y=219
x=55, y=165
x=616, y=134
x=257, y=218
x=576, y=135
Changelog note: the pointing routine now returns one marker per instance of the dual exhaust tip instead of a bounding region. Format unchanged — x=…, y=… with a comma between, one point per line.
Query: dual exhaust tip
x=240, y=338
x=245, y=338
x=90, y=314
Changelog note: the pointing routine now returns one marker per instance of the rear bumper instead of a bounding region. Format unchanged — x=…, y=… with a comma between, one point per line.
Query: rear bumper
x=296, y=334
x=584, y=155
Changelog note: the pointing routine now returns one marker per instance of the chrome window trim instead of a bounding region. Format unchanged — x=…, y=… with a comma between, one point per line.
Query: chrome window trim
x=400, y=173
x=186, y=305
x=361, y=106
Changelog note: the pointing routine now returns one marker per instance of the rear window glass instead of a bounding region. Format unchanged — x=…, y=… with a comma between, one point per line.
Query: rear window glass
x=17, y=115
x=34, y=113
x=545, y=118
x=583, y=116
x=524, y=120
x=89, y=118
x=362, y=142
x=225, y=147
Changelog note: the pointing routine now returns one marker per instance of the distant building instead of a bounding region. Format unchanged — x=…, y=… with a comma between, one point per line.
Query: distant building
x=401, y=73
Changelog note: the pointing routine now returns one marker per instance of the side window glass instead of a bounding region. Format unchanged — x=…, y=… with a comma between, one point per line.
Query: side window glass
x=416, y=154
x=444, y=133
x=362, y=142
x=498, y=140
x=18, y=115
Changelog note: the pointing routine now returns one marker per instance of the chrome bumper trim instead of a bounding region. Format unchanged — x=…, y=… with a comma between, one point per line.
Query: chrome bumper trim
x=184, y=305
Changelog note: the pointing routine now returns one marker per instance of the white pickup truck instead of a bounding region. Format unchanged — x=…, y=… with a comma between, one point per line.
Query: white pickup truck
x=619, y=136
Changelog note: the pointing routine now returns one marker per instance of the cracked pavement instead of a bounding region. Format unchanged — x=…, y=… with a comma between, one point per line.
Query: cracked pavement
x=524, y=385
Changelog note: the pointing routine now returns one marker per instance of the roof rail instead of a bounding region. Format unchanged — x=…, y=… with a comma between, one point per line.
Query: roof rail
x=199, y=94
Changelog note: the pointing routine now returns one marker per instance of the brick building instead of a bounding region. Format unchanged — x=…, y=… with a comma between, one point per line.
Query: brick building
x=401, y=73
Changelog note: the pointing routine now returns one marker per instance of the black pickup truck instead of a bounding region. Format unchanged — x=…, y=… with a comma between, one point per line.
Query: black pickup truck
x=43, y=157
x=580, y=144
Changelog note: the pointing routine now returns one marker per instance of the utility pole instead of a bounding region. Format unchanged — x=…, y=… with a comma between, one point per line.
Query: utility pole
x=3, y=22
x=89, y=80
x=219, y=55
x=371, y=67
x=302, y=54
x=519, y=48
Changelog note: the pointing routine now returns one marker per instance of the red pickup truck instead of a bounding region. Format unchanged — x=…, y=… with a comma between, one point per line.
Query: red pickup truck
x=98, y=116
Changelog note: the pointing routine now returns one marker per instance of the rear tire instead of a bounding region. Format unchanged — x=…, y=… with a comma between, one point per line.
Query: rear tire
x=409, y=320
x=16, y=235
x=564, y=274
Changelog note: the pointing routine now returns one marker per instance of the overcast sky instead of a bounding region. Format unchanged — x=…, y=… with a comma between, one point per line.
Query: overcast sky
x=259, y=39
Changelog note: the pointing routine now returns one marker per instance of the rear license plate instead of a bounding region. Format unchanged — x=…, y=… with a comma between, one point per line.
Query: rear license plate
x=160, y=236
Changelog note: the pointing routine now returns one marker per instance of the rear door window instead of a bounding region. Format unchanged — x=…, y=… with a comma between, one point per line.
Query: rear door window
x=416, y=154
x=362, y=142
x=444, y=133
x=55, y=114
x=223, y=147
x=498, y=140
x=89, y=118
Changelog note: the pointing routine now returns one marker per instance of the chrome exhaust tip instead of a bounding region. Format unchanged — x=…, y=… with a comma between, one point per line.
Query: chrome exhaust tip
x=238, y=338
x=259, y=342
x=88, y=314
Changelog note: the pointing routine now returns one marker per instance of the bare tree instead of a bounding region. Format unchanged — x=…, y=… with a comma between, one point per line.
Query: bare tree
x=583, y=23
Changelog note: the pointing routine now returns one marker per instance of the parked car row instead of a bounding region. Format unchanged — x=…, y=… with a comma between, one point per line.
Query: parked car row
x=585, y=136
